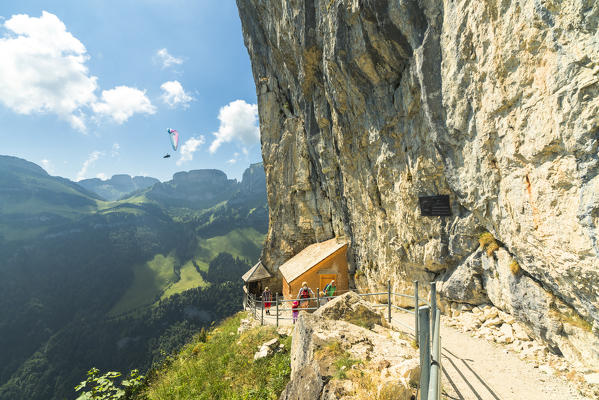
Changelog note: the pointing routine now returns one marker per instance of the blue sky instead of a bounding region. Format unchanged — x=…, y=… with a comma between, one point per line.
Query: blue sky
x=88, y=88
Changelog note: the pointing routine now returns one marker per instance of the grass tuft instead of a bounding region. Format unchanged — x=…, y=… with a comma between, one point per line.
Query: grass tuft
x=488, y=242
x=485, y=239
x=570, y=317
x=492, y=248
x=514, y=267
x=338, y=359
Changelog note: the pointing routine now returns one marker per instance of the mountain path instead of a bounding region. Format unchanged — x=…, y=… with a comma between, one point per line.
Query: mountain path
x=476, y=369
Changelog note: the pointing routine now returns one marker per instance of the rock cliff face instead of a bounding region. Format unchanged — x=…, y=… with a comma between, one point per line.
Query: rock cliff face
x=366, y=105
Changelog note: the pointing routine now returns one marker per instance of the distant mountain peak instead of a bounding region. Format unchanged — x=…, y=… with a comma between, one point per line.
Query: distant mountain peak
x=118, y=186
x=16, y=163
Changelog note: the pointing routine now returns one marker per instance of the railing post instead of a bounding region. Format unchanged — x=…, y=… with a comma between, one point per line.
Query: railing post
x=416, y=310
x=317, y=298
x=425, y=355
x=433, y=303
x=435, y=373
x=440, y=366
x=389, y=299
x=277, y=304
x=262, y=312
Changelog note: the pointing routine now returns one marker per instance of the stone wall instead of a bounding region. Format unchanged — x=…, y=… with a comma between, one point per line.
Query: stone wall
x=366, y=105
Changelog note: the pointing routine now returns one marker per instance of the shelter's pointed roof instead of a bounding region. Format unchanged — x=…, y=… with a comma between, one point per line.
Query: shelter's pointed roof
x=256, y=273
x=309, y=257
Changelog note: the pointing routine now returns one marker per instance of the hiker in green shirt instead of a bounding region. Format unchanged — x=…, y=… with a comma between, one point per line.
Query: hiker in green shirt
x=329, y=290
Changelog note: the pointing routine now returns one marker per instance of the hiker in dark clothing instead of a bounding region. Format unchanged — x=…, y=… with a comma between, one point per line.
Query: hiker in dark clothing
x=267, y=299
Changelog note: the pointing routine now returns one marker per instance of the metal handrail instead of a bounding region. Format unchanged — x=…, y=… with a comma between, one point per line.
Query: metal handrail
x=402, y=309
x=373, y=294
x=410, y=296
x=426, y=328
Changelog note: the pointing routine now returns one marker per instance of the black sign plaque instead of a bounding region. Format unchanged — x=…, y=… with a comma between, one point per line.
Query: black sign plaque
x=435, y=206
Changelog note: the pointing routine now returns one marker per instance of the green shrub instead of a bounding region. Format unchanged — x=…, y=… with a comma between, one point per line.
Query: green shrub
x=105, y=387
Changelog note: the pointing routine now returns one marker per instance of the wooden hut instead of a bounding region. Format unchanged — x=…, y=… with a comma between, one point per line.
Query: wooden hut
x=256, y=279
x=317, y=264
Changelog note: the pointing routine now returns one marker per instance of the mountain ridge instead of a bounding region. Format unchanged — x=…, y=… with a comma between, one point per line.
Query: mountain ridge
x=117, y=186
x=92, y=277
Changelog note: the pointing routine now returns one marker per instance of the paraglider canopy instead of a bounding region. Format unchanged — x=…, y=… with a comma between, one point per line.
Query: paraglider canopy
x=174, y=136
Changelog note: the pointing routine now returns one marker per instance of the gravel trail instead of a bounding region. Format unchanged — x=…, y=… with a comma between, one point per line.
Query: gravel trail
x=476, y=369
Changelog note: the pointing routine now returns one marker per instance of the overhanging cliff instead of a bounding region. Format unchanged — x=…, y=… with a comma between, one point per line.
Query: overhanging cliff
x=367, y=105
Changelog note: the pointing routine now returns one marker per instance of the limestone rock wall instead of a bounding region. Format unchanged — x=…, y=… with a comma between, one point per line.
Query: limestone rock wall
x=367, y=104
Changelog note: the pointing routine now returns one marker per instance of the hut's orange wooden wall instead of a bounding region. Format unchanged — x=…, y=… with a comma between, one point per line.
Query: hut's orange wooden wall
x=335, y=263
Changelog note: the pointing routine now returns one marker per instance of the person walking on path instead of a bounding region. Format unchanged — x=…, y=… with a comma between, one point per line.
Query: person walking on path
x=304, y=295
x=295, y=310
x=267, y=299
x=329, y=290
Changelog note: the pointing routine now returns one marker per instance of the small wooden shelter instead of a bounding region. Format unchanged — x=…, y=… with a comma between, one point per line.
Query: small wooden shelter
x=255, y=279
x=317, y=264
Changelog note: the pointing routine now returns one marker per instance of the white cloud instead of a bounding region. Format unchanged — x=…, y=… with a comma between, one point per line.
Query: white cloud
x=42, y=69
x=47, y=166
x=234, y=159
x=93, y=157
x=168, y=60
x=122, y=102
x=115, y=150
x=173, y=94
x=238, y=121
x=102, y=176
x=190, y=147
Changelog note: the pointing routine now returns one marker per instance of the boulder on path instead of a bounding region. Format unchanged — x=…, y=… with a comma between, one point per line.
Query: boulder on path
x=352, y=308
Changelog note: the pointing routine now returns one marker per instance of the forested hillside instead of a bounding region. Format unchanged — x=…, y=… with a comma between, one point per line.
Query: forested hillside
x=116, y=285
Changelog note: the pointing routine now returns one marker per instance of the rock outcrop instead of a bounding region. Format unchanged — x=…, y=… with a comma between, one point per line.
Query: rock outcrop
x=330, y=346
x=367, y=105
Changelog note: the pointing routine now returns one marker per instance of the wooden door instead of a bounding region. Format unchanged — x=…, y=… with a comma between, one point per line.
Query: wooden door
x=325, y=279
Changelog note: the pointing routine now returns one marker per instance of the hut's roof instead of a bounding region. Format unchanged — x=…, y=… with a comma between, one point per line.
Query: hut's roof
x=256, y=273
x=309, y=257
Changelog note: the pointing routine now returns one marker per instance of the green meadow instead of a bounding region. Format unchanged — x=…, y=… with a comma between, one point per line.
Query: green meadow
x=149, y=280
x=157, y=279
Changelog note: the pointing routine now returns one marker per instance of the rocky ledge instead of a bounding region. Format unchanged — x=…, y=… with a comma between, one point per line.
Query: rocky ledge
x=346, y=350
